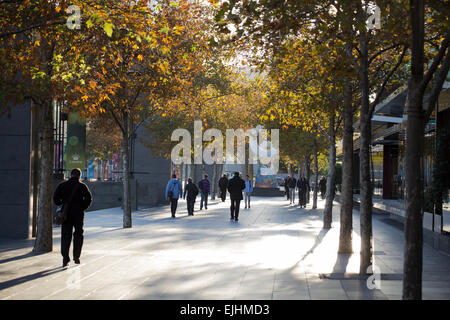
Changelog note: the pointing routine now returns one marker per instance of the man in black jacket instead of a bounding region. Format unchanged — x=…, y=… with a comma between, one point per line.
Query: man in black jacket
x=223, y=184
x=192, y=192
x=286, y=187
x=80, y=199
x=235, y=187
x=323, y=187
x=303, y=189
x=291, y=182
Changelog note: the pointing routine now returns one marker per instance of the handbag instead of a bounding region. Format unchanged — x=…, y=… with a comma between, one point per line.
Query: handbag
x=170, y=192
x=62, y=211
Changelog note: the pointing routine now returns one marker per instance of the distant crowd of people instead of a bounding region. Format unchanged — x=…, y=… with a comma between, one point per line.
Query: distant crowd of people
x=303, y=188
x=238, y=189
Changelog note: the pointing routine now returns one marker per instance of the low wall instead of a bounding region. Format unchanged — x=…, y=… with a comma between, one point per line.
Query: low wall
x=108, y=194
x=268, y=192
x=105, y=194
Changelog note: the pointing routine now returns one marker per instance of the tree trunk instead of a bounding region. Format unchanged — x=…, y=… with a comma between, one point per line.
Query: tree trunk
x=328, y=211
x=35, y=163
x=307, y=168
x=412, y=267
x=194, y=173
x=308, y=174
x=213, y=186
x=185, y=172
x=44, y=233
x=104, y=171
x=316, y=173
x=127, y=223
x=364, y=153
x=412, y=281
x=346, y=223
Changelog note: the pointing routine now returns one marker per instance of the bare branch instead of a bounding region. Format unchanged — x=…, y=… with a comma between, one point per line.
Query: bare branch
x=437, y=60
x=437, y=86
x=386, y=80
x=374, y=56
x=115, y=118
x=36, y=26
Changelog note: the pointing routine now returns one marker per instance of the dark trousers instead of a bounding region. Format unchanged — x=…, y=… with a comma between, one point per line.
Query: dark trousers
x=173, y=205
x=235, y=208
x=190, y=207
x=66, y=238
x=287, y=193
x=223, y=194
x=302, y=197
x=204, y=198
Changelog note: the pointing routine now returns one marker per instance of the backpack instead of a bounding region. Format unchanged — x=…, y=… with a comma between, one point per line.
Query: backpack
x=195, y=190
x=63, y=211
x=170, y=192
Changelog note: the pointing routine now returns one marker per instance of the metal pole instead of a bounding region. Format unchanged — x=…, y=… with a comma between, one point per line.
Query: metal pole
x=440, y=191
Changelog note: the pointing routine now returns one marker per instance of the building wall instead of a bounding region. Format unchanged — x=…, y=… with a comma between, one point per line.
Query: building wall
x=15, y=172
x=151, y=173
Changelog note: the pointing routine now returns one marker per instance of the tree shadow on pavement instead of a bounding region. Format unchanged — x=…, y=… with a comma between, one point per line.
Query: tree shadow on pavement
x=317, y=241
x=30, y=277
x=23, y=256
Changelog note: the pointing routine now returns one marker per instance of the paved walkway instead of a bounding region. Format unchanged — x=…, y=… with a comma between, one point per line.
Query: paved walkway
x=275, y=251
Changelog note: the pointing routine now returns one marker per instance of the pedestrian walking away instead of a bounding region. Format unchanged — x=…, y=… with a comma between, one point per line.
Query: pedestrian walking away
x=247, y=191
x=235, y=187
x=223, y=183
x=323, y=187
x=173, y=192
x=291, y=182
x=205, y=189
x=286, y=187
x=303, y=190
x=192, y=191
x=76, y=196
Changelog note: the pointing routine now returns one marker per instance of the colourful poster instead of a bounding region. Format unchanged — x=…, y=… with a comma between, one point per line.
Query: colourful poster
x=76, y=142
x=264, y=180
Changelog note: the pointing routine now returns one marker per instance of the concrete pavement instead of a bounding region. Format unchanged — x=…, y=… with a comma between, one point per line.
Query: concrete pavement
x=275, y=251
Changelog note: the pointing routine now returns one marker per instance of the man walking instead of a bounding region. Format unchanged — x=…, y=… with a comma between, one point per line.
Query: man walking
x=205, y=189
x=247, y=191
x=286, y=187
x=78, y=198
x=323, y=186
x=292, y=182
x=223, y=183
x=173, y=192
x=192, y=192
x=303, y=189
x=235, y=187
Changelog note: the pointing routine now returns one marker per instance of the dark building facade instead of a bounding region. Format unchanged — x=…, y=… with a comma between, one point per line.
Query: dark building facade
x=388, y=145
x=15, y=172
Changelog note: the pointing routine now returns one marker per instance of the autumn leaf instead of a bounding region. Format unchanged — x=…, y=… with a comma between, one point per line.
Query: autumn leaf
x=108, y=27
